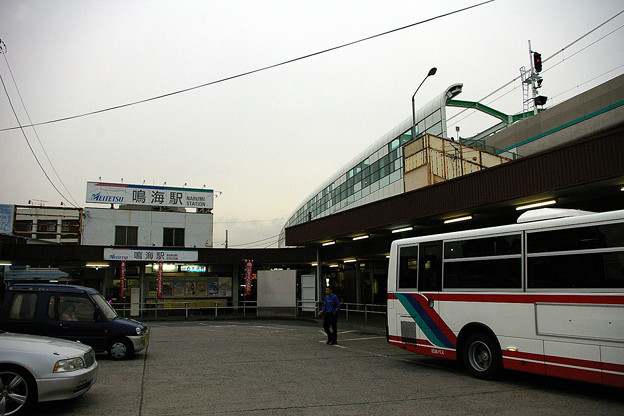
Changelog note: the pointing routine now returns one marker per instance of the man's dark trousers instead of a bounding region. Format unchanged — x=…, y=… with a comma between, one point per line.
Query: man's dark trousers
x=330, y=321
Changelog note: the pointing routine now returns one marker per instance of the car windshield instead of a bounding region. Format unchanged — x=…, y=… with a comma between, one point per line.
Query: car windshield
x=104, y=306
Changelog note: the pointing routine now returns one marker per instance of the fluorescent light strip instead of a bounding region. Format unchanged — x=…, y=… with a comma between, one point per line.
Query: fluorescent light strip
x=97, y=265
x=350, y=261
x=400, y=230
x=329, y=243
x=459, y=219
x=537, y=204
x=362, y=237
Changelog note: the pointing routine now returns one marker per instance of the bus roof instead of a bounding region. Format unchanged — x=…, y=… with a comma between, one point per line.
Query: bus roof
x=537, y=223
x=550, y=214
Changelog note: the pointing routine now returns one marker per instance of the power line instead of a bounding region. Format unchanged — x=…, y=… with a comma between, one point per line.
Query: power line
x=30, y=147
x=3, y=52
x=590, y=80
x=544, y=60
x=257, y=241
x=265, y=68
x=238, y=222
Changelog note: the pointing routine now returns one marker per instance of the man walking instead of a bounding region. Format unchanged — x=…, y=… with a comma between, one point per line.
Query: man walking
x=330, y=309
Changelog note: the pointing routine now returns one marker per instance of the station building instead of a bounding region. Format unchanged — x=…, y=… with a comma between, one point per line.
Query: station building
x=417, y=179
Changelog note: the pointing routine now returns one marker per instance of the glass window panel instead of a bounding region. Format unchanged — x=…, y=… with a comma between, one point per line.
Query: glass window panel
x=578, y=271
x=482, y=247
x=25, y=226
x=46, y=229
x=385, y=181
x=408, y=267
x=483, y=274
x=22, y=307
x=581, y=238
x=394, y=144
x=384, y=171
x=436, y=129
x=126, y=236
x=395, y=176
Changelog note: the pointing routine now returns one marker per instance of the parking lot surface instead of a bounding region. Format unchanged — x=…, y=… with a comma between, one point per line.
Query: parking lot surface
x=271, y=367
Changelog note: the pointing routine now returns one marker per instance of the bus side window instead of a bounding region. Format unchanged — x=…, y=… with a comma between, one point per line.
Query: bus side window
x=408, y=267
x=430, y=267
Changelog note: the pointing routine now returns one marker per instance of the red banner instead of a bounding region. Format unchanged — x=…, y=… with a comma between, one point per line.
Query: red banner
x=248, y=273
x=122, y=278
x=159, y=280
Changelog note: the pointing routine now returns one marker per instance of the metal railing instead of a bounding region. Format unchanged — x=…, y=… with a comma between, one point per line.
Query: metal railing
x=358, y=309
x=182, y=309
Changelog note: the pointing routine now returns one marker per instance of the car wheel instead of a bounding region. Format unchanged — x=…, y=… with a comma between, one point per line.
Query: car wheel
x=120, y=349
x=17, y=390
x=482, y=357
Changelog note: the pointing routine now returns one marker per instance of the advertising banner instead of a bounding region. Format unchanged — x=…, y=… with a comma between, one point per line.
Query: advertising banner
x=6, y=219
x=159, y=196
x=248, y=273
x=159, y=280
x=122, y=278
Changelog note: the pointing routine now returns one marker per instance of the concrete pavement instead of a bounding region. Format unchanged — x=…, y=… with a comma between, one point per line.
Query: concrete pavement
x=273, y=367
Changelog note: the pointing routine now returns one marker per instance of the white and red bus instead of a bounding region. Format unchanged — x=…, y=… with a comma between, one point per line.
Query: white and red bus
x=545, y=295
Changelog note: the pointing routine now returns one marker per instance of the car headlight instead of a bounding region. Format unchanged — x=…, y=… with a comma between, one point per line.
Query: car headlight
x=138, y=330
x=71, y=364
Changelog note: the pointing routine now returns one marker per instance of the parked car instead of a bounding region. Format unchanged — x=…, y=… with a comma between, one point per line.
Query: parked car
x=38, y=369
x=71, y=312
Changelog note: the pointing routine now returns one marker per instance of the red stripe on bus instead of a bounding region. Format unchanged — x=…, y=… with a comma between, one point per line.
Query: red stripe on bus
x=613, y=379
x=419, y=348
x=528, y=298
x=410, y=340
x=618, y=368
x=527, y=366
x=574, y=373
x=590, y=371
x=553, y=359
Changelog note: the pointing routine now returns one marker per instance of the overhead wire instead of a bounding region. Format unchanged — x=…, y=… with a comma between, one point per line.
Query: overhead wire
x=254, y=71
x=75, y=204
x=30, y=146
x=257, y=241
x=544, y=60
x=238, y=222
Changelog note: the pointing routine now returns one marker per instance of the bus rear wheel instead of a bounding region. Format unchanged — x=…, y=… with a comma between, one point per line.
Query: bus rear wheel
x=481, y=356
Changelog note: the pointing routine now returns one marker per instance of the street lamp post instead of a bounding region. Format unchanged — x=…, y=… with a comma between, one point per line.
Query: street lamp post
x=432, y=71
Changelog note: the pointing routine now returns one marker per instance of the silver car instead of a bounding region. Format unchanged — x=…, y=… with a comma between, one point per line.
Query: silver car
x=37, y=369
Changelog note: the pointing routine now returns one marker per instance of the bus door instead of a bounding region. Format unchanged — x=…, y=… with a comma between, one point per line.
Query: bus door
x=434, y=332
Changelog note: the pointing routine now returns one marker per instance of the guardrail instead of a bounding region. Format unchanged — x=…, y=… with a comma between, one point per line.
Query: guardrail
x=188, y=310
x=347, y=308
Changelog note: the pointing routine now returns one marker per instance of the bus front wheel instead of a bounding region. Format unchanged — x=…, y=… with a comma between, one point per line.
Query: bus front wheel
x=481, y=356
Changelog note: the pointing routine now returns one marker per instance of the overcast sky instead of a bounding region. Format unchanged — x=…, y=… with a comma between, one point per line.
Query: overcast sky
x=264, y=141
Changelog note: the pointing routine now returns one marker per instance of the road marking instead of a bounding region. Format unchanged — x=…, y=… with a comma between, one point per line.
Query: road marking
x=362, y=339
